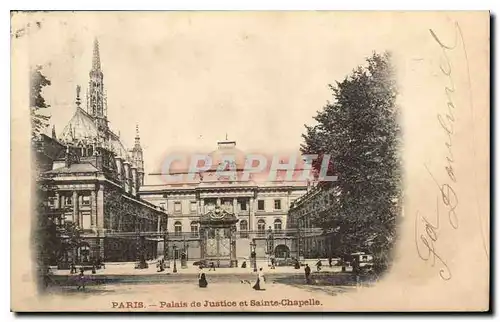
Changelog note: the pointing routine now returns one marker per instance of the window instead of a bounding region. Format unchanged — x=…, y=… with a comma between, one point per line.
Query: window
x=277, y=204
x=243, y=225
x=177, y=206
x=261, y=225
x=260, y=204
x=193, y=206
x=178, y=228
x=194, y=229
x=243, y=229
x=243, y=205
x=86, y=220
x=277, y=224
x=86, y=200
x=69, y=201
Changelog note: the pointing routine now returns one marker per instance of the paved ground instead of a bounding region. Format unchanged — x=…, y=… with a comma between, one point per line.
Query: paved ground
x=129, y=269
x=216, y=297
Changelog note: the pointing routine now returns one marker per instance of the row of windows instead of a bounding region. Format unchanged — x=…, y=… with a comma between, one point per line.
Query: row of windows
x=261, y=226
x=243, y=206
x=68, y=201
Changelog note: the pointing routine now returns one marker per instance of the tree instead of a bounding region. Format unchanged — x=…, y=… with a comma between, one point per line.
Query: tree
x=38, y=121
x=360, y=131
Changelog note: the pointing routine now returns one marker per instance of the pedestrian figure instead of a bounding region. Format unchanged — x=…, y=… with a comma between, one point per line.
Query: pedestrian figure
x=212, y=266
x=93, y=269
x=297, y=264
x=355, y=270
x=273, y=261
x=244, y=265
x=81, y=279
x=72, y=269
x=202, y=278
x=307, y=271
x=100, y=263
x=260, y=283
x=160, y=265
x=330, y=261
x=318, y=265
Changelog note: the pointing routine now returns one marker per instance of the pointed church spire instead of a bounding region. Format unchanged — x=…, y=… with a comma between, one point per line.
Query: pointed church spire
x=96, y=91
x=137, y=145
x=78, y=101
x=96, y=59
x=54, y=136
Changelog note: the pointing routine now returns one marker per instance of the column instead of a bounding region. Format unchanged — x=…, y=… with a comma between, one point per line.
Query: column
x=100, y=208
x=235, y=205
x=76, y=215
x=202, y=205
x=57, y=202
x=93, y=209
x=251, y=217
x=80, y=202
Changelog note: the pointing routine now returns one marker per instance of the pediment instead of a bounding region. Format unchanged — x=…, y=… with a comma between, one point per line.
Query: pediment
x=218, y=215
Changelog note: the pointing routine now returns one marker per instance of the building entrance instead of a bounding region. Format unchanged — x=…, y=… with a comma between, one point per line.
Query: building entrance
x=218, y=238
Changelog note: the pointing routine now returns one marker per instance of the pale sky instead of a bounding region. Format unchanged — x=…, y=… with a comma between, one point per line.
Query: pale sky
x=188, y=79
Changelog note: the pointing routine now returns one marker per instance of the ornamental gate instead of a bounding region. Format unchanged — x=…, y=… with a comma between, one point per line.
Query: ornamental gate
x=218, y=243
x=218, y=238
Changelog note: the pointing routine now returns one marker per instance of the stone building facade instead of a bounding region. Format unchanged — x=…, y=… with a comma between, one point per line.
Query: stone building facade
x=316, y=202
x=256, y=213
x=93, y=180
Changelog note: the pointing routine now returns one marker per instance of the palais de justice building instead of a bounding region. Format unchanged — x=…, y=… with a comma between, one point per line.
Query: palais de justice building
x=224, y=220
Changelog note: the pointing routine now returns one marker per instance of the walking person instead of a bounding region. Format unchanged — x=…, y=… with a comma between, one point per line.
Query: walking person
x=307, y=271
x=356, y=270
x=202, y=278
x=81, y=279
x=330, y=261
x=318, y=265
x=260, y=283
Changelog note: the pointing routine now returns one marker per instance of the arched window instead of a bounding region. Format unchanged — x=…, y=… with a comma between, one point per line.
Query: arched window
x=194, y=229
x=277, y=224
x=243, y=229
x=261, y=225
x=177, y=228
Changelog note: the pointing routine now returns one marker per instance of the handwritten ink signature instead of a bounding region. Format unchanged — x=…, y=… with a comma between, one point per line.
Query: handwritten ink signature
x=427, y=240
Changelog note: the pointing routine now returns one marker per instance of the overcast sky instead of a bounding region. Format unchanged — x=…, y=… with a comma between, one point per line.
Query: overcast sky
x=188, y=79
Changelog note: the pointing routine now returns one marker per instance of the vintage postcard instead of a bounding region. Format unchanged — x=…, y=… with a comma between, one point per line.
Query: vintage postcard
x=250, y=161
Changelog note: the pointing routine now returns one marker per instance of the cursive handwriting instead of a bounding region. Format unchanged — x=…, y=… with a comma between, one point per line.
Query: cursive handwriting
x=426, y=236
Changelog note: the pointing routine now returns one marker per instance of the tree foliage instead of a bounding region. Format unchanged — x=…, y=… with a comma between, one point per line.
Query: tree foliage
x=38, y=121
x=360, y=130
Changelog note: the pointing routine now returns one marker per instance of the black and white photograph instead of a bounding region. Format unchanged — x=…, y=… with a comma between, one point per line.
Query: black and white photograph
x=204, y=161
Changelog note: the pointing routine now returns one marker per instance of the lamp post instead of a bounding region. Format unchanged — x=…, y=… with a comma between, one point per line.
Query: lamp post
x=166, y=257
x=253, y=255
x=175, y=264
x=270, y=243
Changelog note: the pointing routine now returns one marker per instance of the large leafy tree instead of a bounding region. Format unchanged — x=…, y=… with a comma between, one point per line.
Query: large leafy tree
x=37, y=102
x=360, y=130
